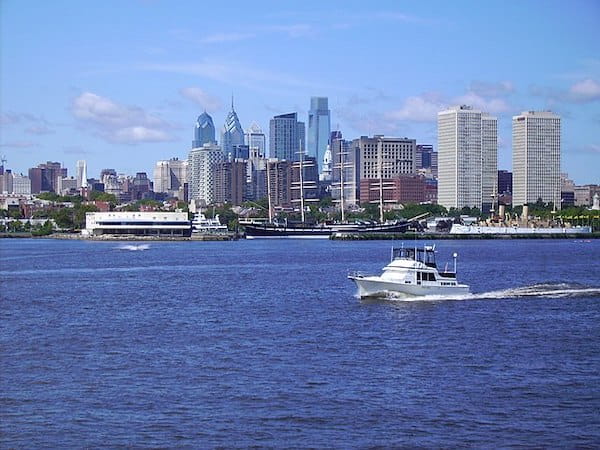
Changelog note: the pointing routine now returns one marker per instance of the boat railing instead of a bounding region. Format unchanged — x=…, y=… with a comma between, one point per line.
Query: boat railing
x=357, y=274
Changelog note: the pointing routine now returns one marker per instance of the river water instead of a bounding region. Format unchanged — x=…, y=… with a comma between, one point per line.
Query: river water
x=264, y=343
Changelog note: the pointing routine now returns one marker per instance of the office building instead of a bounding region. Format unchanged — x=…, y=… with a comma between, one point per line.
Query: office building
x=232, y=134
x=279, y=178
x=426, y=161
x=81, y=173
x=467, y=158
x=398, y=190
x=536, y=158
x=204, y=131
x=385, y=157
x=286, y=137
x=201, y=171
x=170, y=177
x=345, y=168
x=255, y=138
x=319, y=129
x=21, y=185
x=44, y=177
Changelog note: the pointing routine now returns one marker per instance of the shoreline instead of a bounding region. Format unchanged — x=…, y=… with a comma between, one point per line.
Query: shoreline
x=334, y=237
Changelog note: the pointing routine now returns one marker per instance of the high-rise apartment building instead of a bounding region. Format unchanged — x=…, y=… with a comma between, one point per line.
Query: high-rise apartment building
x=536, y=158
x=232, y=133
x=254, y=138
x=201, y=171
x=230, y=182
x=319, y=129
x=286, y=137
x=279, y=179
x=467, y=158
x=204, y=131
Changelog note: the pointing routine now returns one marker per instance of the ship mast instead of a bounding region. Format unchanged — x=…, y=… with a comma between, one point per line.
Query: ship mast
x=269, y=194
x=301, y=185
x=380, y=157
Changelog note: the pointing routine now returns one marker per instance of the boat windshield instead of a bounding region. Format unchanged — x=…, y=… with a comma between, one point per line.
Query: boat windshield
x=425, y=255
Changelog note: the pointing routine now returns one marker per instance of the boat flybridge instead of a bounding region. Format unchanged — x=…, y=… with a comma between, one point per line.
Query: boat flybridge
x=412, y=272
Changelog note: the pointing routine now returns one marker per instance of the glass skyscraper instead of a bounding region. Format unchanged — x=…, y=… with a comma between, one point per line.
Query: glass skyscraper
x=232, y=134
x=319, y=128
x=204, y=131
x=286, y=137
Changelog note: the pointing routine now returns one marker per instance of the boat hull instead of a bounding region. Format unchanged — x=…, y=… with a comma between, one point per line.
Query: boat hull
x=375, y=286
x=320, y=232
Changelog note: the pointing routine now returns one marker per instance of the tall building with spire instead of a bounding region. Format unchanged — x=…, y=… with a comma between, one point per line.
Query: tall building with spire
x=204, y=131
x=232, y=133
x=319, y=128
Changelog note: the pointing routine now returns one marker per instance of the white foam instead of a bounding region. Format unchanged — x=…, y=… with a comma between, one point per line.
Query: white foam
x=134, y=248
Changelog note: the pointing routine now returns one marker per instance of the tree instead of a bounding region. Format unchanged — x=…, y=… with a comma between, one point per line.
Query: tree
x=64, y=218
x=80, y=212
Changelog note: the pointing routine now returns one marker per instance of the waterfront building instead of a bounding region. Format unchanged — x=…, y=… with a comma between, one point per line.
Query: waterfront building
x=232, y=134
x=319, y=129
x=230, y=182
x=286, y=137
x=467, y=155
x=201, y=169
x=155, y=223
x=44, y=177
x=536, y=158
x=170, y=177
x=81, y=173
x=385, y=157
x=255, y=138
x=204, y=131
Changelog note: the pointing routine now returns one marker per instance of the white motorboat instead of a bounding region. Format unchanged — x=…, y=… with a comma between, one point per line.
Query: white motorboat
x=412, y=272
x=201, y=224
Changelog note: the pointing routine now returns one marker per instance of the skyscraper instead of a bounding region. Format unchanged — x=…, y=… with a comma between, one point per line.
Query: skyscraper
x=467, y=157
x=44, y=177
x=319, y=128
x=204, y=131
x=202, y=163
x=256, y=139
x=536, y=158
x=286, y=137
x=232, y=133
x=81, y=171
x=170, y=177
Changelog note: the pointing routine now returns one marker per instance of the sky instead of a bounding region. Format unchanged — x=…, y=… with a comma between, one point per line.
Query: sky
x=121, y=83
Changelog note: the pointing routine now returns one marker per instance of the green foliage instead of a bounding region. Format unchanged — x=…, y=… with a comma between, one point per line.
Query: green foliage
x=15, y=213
x=53, y=197
x=15, y=226
x=63, y=218
x=183, y=206
x=79, y=216
x=103, y=197
x=44, y=230
x=465, y=211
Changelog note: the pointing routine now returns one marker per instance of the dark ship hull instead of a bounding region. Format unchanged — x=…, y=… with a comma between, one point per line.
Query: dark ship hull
x=321, y=231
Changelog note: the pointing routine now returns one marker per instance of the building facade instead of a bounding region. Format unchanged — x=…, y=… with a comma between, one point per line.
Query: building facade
x=230, y=182
x=81, y=173
x=201, y=171
x=398, y=190
x=170, y=177
x=536, y=158
x=279, y=179
x=44, y=177
x=426, y=160
x=255, y=138
x=467, y=158
x=286, y=137
x=155, y=223
x=345, y=170
x=385, y=157
x=319, y=129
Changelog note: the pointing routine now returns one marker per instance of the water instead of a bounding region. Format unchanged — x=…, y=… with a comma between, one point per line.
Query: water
x=264, y=343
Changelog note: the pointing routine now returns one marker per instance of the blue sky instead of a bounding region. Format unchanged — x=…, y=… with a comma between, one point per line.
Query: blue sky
x=120, y=83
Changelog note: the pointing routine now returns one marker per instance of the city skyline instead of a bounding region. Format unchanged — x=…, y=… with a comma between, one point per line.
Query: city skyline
x=76, y=86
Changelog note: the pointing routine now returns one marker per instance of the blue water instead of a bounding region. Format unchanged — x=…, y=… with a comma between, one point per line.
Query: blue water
x=264, y=343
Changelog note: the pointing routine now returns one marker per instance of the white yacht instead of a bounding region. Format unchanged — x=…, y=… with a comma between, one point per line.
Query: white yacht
x=413, y=272
x=200, y=224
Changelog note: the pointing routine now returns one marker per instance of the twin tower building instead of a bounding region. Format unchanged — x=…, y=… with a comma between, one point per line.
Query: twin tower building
x=468, y=158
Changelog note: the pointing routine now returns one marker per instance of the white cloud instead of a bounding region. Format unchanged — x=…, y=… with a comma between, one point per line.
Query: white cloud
x=119, y=123
x=198, y=96
x=417, y=109
x=487, y=89
x=226, y=37
x=585, y=91
x=492, y=105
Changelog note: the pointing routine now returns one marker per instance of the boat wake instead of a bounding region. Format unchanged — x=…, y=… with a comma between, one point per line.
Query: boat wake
x=134, y=248
x=542, y=290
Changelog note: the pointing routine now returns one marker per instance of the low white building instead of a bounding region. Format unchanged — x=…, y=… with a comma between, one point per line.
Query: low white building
x=155, y=223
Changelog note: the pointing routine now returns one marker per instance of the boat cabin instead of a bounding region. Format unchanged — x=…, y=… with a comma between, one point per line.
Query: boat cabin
x=425, y=255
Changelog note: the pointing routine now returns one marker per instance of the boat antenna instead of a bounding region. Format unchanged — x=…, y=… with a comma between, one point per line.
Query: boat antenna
x=455, y=256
